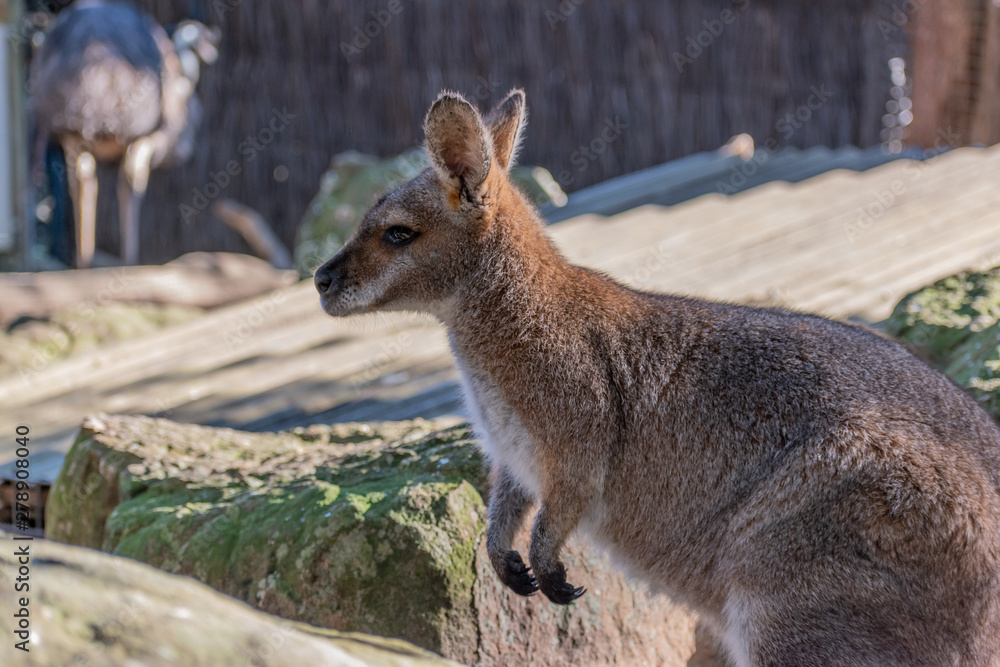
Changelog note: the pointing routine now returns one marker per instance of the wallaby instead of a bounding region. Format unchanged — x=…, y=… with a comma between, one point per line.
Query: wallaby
x=814, y=491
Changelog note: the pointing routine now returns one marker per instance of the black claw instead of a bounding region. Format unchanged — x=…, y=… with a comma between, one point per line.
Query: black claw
x=516, y=575
x=556, y=588
x=564, y=593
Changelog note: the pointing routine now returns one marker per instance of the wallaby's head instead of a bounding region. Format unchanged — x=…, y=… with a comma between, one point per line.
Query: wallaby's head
x=421, y=241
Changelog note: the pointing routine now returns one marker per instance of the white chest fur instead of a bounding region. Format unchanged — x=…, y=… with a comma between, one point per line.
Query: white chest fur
x=501, y=433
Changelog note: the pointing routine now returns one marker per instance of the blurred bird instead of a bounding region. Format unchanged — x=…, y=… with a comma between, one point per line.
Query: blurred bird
x=110, y=85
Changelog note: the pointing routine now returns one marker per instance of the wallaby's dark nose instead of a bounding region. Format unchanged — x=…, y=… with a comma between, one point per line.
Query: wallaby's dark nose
x=323, y=278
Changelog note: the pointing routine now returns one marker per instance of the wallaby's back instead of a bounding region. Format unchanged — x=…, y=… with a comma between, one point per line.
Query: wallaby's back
x=825, y=489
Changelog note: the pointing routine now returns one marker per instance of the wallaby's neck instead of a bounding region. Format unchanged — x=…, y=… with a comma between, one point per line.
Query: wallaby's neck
x=526, y=314
x=520, y=289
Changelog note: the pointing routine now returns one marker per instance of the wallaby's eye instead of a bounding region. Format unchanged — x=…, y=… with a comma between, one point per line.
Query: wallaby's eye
x=398, y=236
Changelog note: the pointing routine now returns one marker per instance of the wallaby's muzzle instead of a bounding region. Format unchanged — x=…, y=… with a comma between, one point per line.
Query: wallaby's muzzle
x=337, y=284
x=329, y=280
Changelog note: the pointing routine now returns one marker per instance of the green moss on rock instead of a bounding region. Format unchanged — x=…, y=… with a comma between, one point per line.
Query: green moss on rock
x=367, y=527
x=357, y=527
x=956, y=323
x=939, y=318
x=77, y=512
x=975, y=365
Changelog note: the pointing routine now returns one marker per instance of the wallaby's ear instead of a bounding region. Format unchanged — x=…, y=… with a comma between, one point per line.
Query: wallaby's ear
x=505, y=123
x=457, y=141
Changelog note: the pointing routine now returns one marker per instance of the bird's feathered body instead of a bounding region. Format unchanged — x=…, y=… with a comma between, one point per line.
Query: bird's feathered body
x=99, y=74
x=108, y=84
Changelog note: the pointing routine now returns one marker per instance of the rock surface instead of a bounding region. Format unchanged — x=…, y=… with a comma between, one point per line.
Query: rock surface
x=32, y=344
x=956, y=323
x=371, y=528
x=90, y=609
x=355, y=180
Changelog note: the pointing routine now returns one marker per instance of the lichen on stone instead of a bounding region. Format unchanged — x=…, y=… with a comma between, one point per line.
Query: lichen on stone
x=956, y=323
x=359, y=527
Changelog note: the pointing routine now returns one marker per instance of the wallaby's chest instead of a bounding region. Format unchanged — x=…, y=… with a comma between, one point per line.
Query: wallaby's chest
x=500, y=429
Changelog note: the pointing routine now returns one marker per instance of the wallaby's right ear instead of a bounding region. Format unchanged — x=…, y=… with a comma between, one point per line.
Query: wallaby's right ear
x=505, y=123
x=457, y=142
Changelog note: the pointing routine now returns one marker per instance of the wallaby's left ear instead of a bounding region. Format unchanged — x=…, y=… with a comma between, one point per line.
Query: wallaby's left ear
x=505, y=123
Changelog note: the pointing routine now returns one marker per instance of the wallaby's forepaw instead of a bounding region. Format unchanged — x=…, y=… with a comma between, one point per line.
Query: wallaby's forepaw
x=556, y=588
x=515, y=574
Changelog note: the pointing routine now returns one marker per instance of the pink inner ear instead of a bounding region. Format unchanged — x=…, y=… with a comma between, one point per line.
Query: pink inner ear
x=463, y=162
x=465, y=153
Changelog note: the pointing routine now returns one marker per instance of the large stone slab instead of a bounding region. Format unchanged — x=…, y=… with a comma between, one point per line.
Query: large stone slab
x=89, y=609
x=372, y=528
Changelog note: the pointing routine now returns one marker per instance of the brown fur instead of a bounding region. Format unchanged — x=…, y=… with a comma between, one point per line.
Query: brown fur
x=815, y=492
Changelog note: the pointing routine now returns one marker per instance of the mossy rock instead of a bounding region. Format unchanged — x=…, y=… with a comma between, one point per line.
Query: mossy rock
x=355, y=181
x=90, y=608
x=956, y=323
x=374, y=528
x=975, y=365
x=940, y=317
x=257, y=517
x=32, y=344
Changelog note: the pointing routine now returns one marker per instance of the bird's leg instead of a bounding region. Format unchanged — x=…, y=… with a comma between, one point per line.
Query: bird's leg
x=85, y=205
x=127, y=216
x=133, y=179
x=73, y=152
